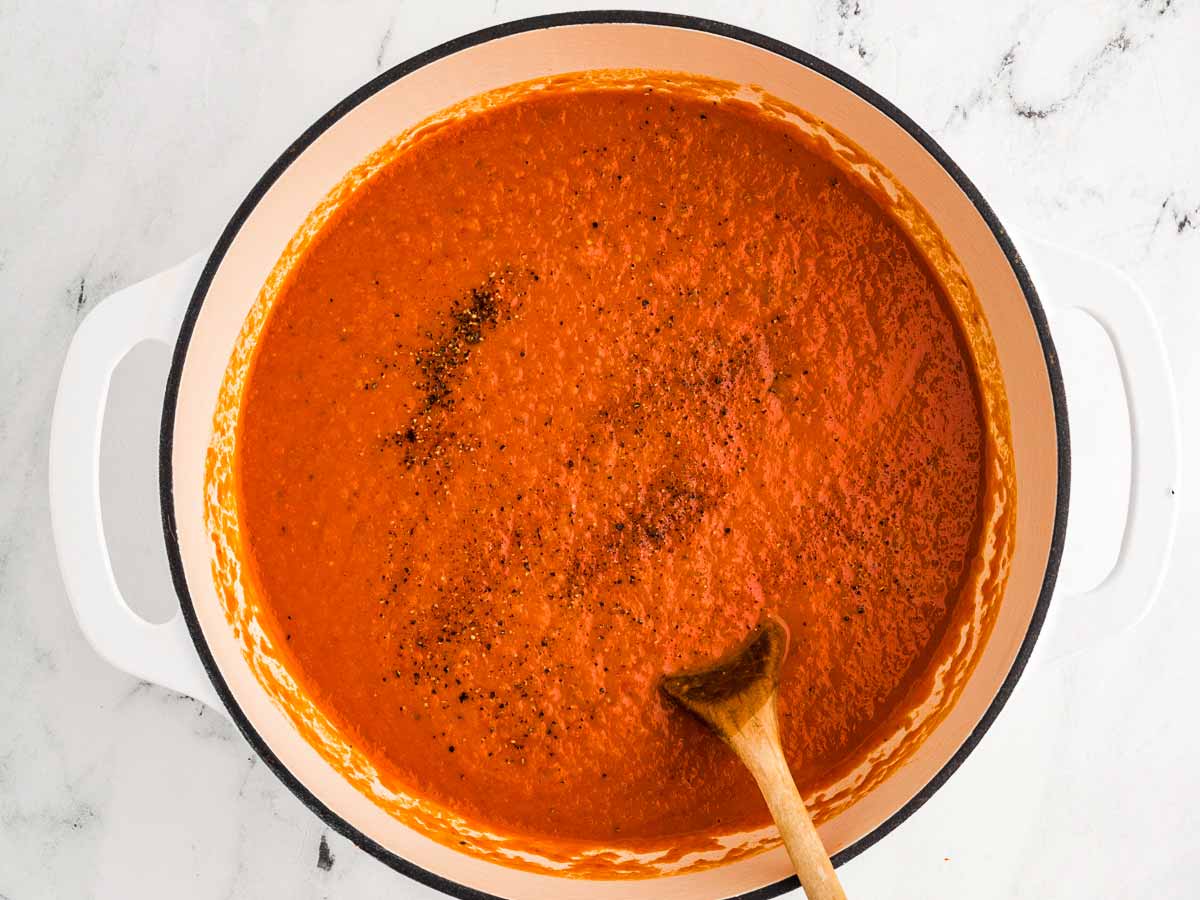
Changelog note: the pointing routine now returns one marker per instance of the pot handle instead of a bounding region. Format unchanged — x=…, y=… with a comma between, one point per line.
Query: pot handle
x=151, y=310
x=1125, y=448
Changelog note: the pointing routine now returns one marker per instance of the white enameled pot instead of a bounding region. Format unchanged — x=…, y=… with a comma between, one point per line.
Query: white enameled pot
x=1125, y=453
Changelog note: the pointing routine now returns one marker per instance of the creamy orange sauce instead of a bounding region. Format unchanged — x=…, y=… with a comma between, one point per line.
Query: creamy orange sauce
x=569, y=394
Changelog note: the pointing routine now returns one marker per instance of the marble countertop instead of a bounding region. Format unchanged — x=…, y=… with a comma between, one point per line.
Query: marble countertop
x=131, y=131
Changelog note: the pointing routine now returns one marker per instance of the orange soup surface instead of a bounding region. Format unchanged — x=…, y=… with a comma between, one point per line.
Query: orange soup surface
x=570, y=394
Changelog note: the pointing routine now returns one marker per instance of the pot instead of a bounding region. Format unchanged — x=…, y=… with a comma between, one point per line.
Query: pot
x=1123, y=399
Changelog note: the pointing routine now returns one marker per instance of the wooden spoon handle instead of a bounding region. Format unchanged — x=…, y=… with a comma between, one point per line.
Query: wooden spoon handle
x=757, y=743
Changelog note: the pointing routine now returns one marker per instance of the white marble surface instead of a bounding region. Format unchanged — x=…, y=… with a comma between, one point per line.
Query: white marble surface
x=129, y=133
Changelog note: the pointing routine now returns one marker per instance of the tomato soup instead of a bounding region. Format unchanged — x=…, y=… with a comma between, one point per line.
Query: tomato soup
x=569, y=394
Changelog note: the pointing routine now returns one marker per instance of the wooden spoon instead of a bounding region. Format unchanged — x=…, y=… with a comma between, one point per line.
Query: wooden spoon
x=736, y=698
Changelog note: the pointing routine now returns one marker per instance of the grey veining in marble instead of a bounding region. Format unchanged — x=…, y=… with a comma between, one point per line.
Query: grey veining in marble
x=130, y=131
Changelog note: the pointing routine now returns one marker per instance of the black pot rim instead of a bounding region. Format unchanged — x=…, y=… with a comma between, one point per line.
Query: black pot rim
x=166, y=492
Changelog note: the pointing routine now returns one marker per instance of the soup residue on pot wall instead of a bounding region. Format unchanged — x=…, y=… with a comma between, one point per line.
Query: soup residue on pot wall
x=561, y=352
